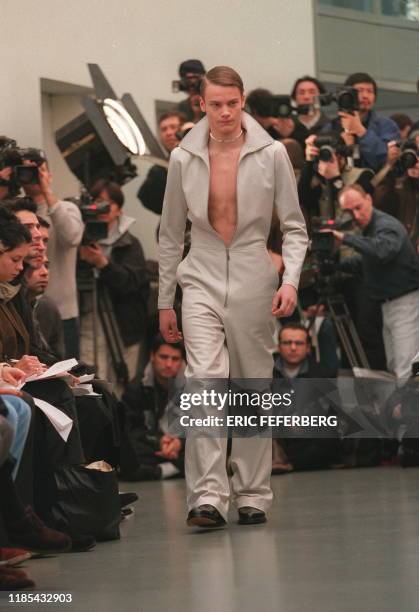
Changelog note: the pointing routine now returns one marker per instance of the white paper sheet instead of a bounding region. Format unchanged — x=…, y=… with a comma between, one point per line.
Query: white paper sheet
x=61, y=367
x=60, y=421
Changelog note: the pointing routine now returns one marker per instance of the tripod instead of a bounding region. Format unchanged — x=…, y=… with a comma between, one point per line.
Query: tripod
x=103, y=314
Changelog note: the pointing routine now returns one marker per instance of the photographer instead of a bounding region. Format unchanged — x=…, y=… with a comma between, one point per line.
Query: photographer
x=151, y=192
x=260, y=103
x=365, y=128
x=191, y=73
x=398, y=190
x=390, y=269
x=65, y=234
x=118, y=261
x=304, y=92
x=325, y=172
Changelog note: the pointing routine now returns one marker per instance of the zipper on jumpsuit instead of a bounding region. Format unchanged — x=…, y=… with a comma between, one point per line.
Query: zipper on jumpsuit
x=227, y=275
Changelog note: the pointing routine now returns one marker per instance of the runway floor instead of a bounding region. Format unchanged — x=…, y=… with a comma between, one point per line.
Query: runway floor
x=336, y=541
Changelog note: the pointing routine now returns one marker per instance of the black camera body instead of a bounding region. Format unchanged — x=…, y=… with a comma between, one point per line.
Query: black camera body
x=187, y=84
x=94, y=229
x=409, y=155
x=14, y=157
x=346, y=99
x=328, y=145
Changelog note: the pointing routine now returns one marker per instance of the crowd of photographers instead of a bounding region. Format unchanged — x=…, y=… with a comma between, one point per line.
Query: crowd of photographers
x=74, y=283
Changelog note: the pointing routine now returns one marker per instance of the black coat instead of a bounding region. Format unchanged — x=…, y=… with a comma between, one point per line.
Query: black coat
x=151, y=192
x=125, y=279
x=303, y=451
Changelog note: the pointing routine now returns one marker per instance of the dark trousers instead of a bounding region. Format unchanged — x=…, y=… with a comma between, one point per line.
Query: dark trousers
x=71, y=338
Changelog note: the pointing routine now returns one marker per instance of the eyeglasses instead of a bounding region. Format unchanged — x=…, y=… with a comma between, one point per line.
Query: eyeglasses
x=296, y=342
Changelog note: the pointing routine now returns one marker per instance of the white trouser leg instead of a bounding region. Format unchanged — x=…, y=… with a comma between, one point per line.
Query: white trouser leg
x=401, y=333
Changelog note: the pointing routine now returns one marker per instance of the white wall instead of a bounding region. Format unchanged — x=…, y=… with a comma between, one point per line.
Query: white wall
x=139, y=46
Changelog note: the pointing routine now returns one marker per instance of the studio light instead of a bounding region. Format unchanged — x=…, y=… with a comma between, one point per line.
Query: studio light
x=101, y=142
x=124, y=127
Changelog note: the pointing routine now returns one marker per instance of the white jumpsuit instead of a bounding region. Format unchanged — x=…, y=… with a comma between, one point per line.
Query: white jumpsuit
x=227, y=295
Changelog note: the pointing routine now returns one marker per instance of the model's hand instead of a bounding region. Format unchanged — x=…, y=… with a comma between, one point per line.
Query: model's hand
x=284, y=302
x=168, y=325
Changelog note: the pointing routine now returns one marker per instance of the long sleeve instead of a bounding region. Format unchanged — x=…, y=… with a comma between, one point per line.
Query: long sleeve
x=383, y=247
x=373, y=145
x=293, y=226
x=67, y=222
x=127, y=274
x=172, y=232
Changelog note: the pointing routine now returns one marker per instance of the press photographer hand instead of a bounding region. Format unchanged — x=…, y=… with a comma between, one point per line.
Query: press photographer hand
x=311, y=150
x=393, y=152
x=329, y=169
x=93, y=255
x=352, y=124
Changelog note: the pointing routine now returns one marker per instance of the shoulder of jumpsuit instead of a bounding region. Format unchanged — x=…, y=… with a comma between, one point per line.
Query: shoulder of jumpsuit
x=196, y=141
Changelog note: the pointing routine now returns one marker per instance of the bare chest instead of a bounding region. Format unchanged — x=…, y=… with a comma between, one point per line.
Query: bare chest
x=222, y=203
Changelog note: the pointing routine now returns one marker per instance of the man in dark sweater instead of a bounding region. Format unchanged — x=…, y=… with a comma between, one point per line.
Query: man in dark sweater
x=390, y=268
x=147, y=451
x=292, y=363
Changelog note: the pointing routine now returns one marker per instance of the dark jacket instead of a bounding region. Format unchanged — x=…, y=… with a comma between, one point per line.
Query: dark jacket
x=144, y=422
x=387, y=259
x=373, y=144
x=306, y=448
x=151, y=192
x=125, y=278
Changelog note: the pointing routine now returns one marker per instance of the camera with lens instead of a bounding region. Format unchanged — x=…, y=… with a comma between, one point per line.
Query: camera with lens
x=94, y=229
x=278, y=106
x=409, y=155
x=346, y=99
x=14, y=157
x=323, y=242
x=328, y=145
x=189, y=84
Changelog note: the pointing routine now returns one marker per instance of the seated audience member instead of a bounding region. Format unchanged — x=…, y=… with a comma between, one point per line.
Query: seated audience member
x=46, y=314
x=365, y=128
x=151, y=192
x=258, y=102
x=22, y=527
x=147, y=451
x=191, y=73
x=293, y=361
x=65, y=235
x=15, y=340
x=304, y=92
x=123, y=285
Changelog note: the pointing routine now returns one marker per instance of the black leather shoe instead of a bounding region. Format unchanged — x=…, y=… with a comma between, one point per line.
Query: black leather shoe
x=205, y=516
x=251, y=516
x=126, y=499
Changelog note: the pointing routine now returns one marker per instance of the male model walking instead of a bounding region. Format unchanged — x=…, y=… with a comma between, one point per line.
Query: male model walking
x=226, y=176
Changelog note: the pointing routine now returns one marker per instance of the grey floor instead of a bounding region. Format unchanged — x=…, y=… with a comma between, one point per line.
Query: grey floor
x=336, y=541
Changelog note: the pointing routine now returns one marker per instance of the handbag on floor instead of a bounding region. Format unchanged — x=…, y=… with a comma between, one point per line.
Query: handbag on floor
x=87, y=501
